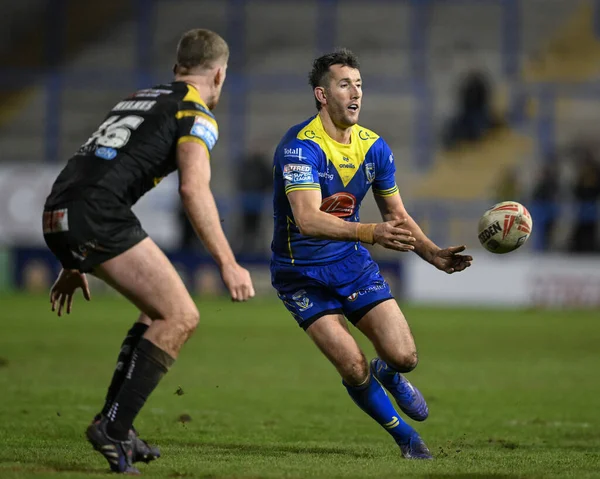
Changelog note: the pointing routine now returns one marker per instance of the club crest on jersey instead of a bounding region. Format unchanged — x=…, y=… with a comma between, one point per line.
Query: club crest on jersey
x=370, y=172
x=302, y=300
x=340, y=204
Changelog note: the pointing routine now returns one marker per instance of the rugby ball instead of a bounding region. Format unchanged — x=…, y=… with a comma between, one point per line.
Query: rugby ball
x=505, y=227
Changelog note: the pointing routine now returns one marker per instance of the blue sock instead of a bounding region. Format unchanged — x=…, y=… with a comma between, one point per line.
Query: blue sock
x=387, y=373
x=373, y=400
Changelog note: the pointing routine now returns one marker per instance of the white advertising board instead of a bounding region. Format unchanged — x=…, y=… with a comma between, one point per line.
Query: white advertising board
x=24, y=188
x=518, y=279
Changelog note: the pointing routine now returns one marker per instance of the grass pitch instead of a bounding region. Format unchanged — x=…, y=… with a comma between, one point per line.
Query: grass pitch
x=511, y=394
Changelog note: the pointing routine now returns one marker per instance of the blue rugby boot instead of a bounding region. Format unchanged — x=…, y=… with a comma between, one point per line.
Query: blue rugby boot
x=409, y=398
x=415, y=448
x=119, y=454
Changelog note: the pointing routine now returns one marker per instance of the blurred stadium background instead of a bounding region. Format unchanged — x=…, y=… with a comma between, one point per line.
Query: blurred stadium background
x=481, y=101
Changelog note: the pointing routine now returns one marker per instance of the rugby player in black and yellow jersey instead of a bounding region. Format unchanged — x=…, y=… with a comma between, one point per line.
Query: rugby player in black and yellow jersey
x=89, y=226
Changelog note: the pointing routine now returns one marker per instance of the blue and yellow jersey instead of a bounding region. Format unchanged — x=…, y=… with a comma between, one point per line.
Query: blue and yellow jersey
x=308, y=159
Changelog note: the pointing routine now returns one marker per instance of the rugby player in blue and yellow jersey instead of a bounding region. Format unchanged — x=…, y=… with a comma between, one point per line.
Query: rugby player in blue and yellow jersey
x=323, y=168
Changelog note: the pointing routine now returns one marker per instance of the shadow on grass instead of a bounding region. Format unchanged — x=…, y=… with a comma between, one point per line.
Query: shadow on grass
x=49, y=467
x=274, y=449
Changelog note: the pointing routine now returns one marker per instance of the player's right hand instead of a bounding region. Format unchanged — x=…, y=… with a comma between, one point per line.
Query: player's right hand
x=64, y=287
x=238, y=282
x=390, y=235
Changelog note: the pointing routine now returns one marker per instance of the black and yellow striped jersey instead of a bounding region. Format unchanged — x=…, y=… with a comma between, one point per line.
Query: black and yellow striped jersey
x=135, y=146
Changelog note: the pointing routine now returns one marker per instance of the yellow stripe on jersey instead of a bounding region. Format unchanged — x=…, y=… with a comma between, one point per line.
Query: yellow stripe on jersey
x=193, y=139
x=289, y=222
x=193, y=96
x=185, y=113
x=389, y=192
x=305, y=186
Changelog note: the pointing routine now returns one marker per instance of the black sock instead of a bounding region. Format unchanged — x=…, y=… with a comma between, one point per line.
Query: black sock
x=148, y=365
x=129, y=344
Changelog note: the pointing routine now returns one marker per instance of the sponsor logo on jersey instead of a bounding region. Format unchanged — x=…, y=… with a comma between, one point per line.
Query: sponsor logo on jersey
x=310, y=134
x=297, y=174
x=371, y=289
x=346, y=165
x=152, y=92
x=302, y=300
x=206, y=131
x=325, y=174
x=296, y=167
x=370, y=172
x=293, y=153
x=365, y=135
x=340, y=204
x=56, y=221
x=134, y=105
x=106, y=153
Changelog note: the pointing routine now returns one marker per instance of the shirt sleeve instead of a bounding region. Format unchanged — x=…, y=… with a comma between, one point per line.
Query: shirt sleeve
x=197, y=124
x=385, y=175
x=298, y=165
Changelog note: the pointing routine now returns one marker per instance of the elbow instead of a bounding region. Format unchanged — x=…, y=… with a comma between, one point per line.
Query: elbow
x=187, y=191
x=184, y=192
x=305, y=226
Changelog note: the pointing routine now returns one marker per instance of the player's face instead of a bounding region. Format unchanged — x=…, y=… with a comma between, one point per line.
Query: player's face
x=344, y=95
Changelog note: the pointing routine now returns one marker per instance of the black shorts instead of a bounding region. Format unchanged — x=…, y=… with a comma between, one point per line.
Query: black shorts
x=85, y=233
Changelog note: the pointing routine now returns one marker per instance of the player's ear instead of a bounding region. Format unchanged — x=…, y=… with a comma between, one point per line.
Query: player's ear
x=320, y=94
x=220, y=75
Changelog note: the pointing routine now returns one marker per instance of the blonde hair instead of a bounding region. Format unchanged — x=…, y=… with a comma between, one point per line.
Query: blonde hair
x=200, y=49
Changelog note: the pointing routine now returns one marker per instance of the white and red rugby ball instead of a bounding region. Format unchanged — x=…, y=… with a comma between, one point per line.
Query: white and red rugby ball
x=505, y=227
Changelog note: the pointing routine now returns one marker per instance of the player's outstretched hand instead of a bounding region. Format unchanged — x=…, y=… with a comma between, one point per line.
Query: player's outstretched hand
x=390, y=235
x=449, y=261
x=64, y=287
x=238, y=282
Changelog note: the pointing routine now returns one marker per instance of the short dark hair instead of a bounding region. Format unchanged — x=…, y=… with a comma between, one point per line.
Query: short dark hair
x=318, y=76
x=200, y=49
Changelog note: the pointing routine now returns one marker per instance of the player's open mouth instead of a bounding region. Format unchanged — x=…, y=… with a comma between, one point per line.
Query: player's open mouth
x=353, y=107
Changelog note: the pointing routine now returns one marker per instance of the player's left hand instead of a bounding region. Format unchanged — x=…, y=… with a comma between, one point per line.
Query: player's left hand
x=64, y=287
x=449, y=261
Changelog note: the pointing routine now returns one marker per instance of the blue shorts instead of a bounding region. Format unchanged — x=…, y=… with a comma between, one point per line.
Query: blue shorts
x=351, y=286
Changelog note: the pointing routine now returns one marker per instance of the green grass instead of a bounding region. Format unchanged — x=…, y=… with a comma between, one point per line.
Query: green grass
x=511, y=394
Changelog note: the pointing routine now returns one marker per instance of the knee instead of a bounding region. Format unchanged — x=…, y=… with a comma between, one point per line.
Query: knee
x=189, y=320
x=403, y=361
x=355, y=371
